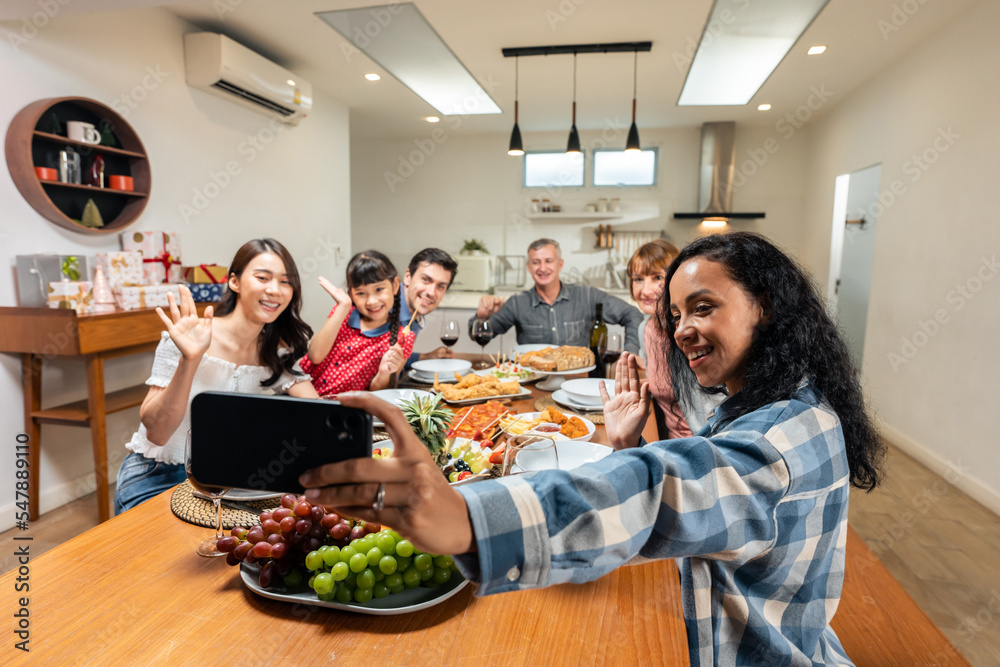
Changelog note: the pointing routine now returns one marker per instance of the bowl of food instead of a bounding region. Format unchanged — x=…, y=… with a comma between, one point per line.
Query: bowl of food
x=586, y=391
x=443, y=367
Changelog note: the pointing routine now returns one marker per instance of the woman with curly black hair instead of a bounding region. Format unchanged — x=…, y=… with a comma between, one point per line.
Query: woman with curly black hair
x=754, y=507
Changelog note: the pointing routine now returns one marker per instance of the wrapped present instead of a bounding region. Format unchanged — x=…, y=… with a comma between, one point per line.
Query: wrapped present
x=206, y=273
x=208, y=293
x=72, y=294
x=161, y=255
x=121, y=268
x=35, y=272
x=133, y=297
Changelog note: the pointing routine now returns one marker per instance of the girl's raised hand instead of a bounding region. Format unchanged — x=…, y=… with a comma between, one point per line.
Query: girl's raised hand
x=340, y=296
x=625, y=415
x=392, y=361
x=191, y=334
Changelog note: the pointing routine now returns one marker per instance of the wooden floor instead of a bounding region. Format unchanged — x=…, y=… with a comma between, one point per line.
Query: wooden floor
x=943, y=547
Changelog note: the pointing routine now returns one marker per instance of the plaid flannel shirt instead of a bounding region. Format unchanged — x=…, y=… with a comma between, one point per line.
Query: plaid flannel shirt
x=753, y=508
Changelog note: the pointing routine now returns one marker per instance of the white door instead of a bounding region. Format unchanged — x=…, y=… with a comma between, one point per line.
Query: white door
x=852, y=252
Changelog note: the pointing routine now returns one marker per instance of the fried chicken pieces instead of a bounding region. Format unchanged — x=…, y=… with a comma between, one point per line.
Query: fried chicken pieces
x=475, y=386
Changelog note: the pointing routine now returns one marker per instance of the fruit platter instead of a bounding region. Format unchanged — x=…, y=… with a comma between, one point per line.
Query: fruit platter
x=299, y=552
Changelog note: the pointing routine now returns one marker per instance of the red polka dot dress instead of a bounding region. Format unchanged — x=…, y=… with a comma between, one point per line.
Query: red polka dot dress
x=354, y=359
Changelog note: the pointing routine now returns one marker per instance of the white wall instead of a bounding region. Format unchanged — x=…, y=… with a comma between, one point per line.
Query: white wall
x=931, y=360
x=439, y=192
x=293, y=184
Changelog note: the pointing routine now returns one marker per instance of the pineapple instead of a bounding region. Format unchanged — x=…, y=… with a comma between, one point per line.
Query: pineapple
x=429, y=420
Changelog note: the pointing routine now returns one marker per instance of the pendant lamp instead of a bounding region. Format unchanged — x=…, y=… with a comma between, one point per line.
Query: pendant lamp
x=632, y=143
x=516, y=147
x=573, y=145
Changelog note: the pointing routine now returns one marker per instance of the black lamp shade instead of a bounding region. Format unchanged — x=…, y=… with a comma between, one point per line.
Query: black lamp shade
x=573, y=145
x=516, y=147
x=632, y=143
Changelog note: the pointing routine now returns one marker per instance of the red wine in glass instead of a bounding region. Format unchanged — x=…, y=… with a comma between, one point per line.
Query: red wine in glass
x=611, y=356
x=449, y=340
x=449, y=332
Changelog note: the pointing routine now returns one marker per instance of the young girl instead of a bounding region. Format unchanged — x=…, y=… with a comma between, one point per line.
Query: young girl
x=250, y=346
x=369, y=352
x=754, y=510
x=676, y=416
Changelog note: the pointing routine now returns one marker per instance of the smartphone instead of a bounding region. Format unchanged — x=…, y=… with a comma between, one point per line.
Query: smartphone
x=264, y=443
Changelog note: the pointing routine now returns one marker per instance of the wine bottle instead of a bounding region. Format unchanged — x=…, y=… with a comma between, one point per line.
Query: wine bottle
x=598, y=342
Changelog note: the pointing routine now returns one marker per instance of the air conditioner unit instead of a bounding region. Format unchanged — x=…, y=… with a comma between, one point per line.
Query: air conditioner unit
x=218, y=65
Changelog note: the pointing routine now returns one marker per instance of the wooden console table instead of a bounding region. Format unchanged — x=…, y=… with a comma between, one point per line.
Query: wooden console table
x=40, y=334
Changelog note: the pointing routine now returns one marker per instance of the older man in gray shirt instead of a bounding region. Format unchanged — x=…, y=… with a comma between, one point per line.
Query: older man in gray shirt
x=553, y=312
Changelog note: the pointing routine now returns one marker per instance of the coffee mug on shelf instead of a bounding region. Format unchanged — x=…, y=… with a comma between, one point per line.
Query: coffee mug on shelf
x=47, y=174
x=83, y=132
x=116, y=182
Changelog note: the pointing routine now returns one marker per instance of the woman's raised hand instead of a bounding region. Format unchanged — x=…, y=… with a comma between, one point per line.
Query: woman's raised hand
x=339, y=295
x=625, y=415
x=191, y=334
x=418, y=501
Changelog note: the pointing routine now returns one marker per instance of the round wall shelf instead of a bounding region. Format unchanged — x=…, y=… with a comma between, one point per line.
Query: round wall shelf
x=30, y=144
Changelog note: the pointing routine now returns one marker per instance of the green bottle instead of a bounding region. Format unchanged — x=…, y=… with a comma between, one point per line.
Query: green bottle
x=598, y=342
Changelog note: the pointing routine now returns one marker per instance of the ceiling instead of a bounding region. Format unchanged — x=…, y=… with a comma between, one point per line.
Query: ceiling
x=862, y=36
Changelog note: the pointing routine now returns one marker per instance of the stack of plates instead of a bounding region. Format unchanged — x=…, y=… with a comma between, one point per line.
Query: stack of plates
x=585, y=393
x=423, y=371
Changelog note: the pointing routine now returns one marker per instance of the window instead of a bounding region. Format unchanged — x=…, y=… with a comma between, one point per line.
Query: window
x=553, y=169
x=614, y=167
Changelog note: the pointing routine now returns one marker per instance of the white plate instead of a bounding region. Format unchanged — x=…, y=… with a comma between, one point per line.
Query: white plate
x=416, y=377
x=246, y=494
x=574, y=371
x=428, y=367
x=524, y=393
x=563, y=399
x=397, y=396
x=408, y=601
x=531, y=347
x=591, y=428
x=586, y=391
x=535, y=375
x=572, y=454
x=387, y=444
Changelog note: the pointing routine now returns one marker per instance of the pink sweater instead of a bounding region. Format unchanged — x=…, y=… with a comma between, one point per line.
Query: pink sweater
x=659, y=382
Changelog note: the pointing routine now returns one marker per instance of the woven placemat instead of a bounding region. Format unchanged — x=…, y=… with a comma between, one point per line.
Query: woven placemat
x=201, y=512
x=547, y=402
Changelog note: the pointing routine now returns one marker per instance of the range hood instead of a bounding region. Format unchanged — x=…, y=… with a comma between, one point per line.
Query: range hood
x=715, y=178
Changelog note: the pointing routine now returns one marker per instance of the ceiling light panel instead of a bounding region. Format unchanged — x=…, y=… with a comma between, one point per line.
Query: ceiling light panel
x=400, y=40
x=741, y=45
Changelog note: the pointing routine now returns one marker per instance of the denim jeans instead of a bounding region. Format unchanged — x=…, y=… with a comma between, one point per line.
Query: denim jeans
x=139, y=479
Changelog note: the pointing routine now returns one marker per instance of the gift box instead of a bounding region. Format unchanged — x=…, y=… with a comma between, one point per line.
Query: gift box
x=35, y=272
x=133, y=297
x=121, y=268
x=207, y=293
x=161, y=255
x=72, y=294
x=206, y=273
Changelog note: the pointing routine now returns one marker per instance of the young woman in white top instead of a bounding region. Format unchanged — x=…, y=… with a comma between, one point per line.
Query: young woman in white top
x=251, y=344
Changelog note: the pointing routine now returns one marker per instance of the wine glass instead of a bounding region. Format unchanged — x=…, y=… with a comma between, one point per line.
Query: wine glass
x=206, y=547
x=612, y=351
x=482, y=333
x=529, y=453
x=449, y=332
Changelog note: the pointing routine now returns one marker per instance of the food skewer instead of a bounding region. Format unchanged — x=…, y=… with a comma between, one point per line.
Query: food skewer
x=406, y=329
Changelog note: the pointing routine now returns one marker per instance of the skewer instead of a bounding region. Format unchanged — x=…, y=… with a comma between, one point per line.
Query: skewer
x=466, y=416
x=516, y=419
x=406, y=329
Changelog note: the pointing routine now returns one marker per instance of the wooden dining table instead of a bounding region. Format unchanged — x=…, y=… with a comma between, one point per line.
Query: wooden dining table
x=132, y=589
